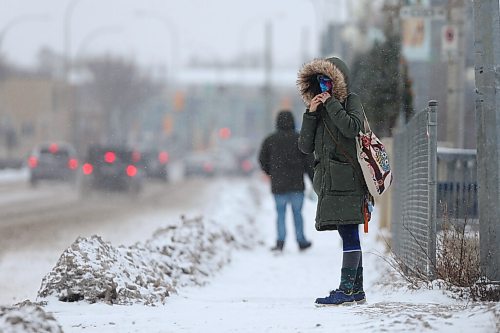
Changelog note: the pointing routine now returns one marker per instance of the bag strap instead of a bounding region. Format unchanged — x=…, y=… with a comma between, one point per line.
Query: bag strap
x=365, y=123
x=342, y=150
x=349, y=158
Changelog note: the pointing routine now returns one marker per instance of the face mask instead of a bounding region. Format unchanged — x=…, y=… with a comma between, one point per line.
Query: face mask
x=325, y=83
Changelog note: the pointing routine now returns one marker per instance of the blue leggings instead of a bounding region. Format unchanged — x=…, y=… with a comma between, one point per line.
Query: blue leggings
x=350, y=237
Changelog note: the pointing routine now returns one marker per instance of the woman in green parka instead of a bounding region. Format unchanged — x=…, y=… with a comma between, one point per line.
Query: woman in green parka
x=333, y=118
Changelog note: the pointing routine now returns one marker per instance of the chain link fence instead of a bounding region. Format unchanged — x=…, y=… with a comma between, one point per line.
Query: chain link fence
x=414, y=192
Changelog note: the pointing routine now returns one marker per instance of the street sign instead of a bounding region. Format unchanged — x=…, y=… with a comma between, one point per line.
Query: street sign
x=449, y=42
x=434, y=13
x=449, y=37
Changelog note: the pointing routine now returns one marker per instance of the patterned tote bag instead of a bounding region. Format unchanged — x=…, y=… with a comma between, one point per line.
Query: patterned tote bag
x=374, y=161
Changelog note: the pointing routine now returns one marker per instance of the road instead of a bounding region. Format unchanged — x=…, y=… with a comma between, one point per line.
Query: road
x=38, y=224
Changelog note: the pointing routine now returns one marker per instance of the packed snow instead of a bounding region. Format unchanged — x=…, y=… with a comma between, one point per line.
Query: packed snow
x=27, y=318
x=13, y=175
x=212, y=271
x=178, y=255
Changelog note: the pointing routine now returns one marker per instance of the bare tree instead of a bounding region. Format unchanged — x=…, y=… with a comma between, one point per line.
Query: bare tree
x=121, y=89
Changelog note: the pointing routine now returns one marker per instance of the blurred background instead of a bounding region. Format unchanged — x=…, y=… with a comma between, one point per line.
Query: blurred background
x=190, y=76
x=166, y=100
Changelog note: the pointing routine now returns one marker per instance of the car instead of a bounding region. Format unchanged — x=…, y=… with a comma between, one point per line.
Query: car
x=243, y=150
x=53, y=161
x=216, y=162
x=225, y=163
x=199, y=164
x=111, y=168
x=248, y=164
x=154, y=164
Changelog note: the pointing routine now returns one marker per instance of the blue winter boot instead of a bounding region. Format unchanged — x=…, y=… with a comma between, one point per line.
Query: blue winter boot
x=343, y=295
x=357, y=290
x=336, y=297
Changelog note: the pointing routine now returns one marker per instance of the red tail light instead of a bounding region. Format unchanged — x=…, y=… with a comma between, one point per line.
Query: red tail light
x=110, y=157
x=163, y=157
x=131, y=171
x=53, y=148
x=208, y=167
x=136, y=156
x=32, y=162
x=72, y=163
x=246, y=165
x=87, y=169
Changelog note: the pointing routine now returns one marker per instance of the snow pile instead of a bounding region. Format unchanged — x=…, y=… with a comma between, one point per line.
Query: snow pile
x=192, y=251
x=14, y=175
x=94, y=270
x=187, y=253
x=27, y=318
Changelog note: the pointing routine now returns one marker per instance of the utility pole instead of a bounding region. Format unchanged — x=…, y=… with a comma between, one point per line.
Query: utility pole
x=487, y=70
x=67, y=37
x=393, y=25
x=268, y=71
x=455, y=113
x=65, y=99
x=304, y=45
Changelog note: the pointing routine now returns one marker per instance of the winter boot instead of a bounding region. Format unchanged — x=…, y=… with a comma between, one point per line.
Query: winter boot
x=336, y=297
x=278, y=247
x=357, y=290
x=304, y=245
x=343, y=295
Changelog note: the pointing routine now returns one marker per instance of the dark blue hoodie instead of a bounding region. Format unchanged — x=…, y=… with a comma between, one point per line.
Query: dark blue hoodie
x=281, y=158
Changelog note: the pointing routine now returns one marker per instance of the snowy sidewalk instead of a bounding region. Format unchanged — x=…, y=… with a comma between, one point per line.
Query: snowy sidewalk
x=262, y=292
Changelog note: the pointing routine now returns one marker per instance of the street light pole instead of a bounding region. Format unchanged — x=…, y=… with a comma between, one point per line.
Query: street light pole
x=67, y=37
x=251, y=23
x=318, y=9
x=19, y=20
x=174, y=42
x=245, y=28
x=93, y=35
x=268, y=70
x=73, y=112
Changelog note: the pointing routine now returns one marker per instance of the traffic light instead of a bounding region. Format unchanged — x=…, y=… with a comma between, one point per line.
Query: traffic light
x=179, y=101
x=224, y=133
x=168, y=124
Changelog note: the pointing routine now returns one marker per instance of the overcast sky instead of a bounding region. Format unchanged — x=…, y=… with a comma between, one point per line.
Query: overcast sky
x=211, y=29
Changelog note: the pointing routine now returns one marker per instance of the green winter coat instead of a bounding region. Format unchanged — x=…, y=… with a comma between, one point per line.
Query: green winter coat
x=338, y=181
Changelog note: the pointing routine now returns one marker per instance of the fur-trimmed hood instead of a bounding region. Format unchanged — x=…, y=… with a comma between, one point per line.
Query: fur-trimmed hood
x=334, y=68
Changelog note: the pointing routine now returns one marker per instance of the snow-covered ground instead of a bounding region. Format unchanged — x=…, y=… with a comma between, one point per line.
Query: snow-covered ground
x=13, y=175
x=258, y=291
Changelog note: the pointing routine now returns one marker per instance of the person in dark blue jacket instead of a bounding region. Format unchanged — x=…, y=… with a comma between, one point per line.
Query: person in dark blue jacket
x=281, y=159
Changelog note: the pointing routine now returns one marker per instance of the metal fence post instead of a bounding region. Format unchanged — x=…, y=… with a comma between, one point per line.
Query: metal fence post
x=432, y=183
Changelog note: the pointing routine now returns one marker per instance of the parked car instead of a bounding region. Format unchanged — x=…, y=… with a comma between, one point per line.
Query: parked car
x=52, y=161
x=243, y=150
x=111, y=168
x=225, y=163
x=216, y=162
x=154, y=163
x=247, y=165
x=199, y=164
